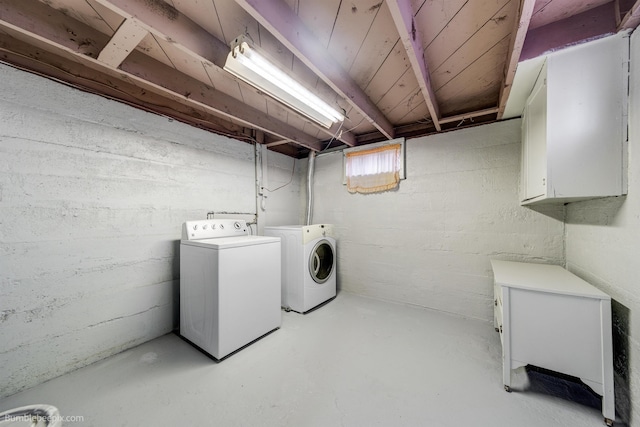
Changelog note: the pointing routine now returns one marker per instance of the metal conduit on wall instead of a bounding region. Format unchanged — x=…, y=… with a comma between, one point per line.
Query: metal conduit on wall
x=310, y=170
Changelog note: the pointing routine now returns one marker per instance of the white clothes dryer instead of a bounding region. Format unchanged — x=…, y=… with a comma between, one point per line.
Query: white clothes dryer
x=308, y=265
x=229, y=285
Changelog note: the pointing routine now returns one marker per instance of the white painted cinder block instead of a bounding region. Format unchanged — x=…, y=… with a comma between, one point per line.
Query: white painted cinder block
x=283, y=190
x=93, y=194
x=429, y=243
x=602, y=247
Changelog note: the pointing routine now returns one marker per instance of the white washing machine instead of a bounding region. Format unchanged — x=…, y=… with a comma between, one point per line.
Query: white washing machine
x=308, y=264
x=229, y=285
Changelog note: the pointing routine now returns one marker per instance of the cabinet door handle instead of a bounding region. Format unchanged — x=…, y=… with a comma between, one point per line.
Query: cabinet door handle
x=495, y=302
x=544, y=181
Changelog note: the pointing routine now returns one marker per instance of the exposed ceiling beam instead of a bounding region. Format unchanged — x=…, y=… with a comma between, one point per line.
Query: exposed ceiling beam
x=41, y=25
x=460, y=117
x=278, y=18
x=597, y=22
x=65, y=70
x=631, y=19
x=417, y=129
x=402, y=14
x=166, y=22
x=274, y=143
x=164, y=77
x=123, y=42
x=518, y=34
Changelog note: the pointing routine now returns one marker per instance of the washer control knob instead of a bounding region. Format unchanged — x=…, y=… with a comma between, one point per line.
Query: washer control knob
x=195, y=227
x=237, y=225
x=213, y=226
x=221, y=226
x=204, y=227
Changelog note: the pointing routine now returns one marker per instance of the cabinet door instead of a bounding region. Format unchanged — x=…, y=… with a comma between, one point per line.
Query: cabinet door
x=535, y=142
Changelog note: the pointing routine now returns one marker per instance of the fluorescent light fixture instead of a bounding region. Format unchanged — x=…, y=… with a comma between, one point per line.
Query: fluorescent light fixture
x=247, y=64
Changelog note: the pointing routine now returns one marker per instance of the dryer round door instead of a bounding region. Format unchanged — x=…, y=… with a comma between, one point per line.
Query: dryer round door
x=321, y=261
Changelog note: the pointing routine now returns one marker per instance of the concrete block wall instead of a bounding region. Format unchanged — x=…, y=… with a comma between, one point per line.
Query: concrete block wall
x=283, y=190
x=92, y=197
x=603, y=247
x=429, y=242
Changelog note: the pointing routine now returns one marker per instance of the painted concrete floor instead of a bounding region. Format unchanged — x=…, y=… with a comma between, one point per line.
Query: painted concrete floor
x=353, y=362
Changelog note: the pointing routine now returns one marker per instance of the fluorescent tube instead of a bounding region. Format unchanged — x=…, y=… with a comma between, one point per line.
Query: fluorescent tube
x=250, y=66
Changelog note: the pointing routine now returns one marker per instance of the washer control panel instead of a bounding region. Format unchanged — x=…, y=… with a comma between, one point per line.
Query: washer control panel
x=213, y=228
x=316, y=231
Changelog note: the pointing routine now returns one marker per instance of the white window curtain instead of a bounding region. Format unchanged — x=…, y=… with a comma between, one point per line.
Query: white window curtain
x=374, y=170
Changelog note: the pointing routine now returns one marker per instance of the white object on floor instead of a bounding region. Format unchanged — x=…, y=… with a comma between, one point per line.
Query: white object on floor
x=308, y=264
x=229, y=285
x=552, y=319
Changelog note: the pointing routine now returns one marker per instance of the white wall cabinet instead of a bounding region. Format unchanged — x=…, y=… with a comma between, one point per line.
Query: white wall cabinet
x=550, y=318
x=574, y=125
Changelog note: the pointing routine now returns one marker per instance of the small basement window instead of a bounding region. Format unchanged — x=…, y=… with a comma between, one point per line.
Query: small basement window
x=375, y=167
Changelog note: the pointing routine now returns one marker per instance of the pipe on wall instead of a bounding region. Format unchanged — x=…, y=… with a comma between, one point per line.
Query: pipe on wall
x=310, y=170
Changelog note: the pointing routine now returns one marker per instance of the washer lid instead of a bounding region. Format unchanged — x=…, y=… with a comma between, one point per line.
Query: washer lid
x=231, y=242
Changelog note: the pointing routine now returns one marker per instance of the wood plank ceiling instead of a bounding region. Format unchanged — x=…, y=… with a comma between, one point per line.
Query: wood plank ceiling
x=395, y=67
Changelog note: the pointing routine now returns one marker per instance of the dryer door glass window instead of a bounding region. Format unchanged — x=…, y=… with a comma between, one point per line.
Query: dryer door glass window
x=321, y=261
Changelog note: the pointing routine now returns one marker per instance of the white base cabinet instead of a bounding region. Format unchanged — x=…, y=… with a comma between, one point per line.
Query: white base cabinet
x=550, y=318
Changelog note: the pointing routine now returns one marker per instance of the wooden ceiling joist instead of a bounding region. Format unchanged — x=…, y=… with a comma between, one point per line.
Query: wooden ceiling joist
x=164, y=77
x=593, y=23
x=38, y=24
x=123, y=42
x=168, y=56
x=276, y=143
x=64, y=69
x=282, y=22
x=169, y=24
x=465, y=116
x=402, y=14
x=518, y=34
x=631, y=19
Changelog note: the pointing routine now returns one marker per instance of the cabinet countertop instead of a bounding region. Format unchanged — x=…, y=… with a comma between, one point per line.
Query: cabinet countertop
x=543, y=278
